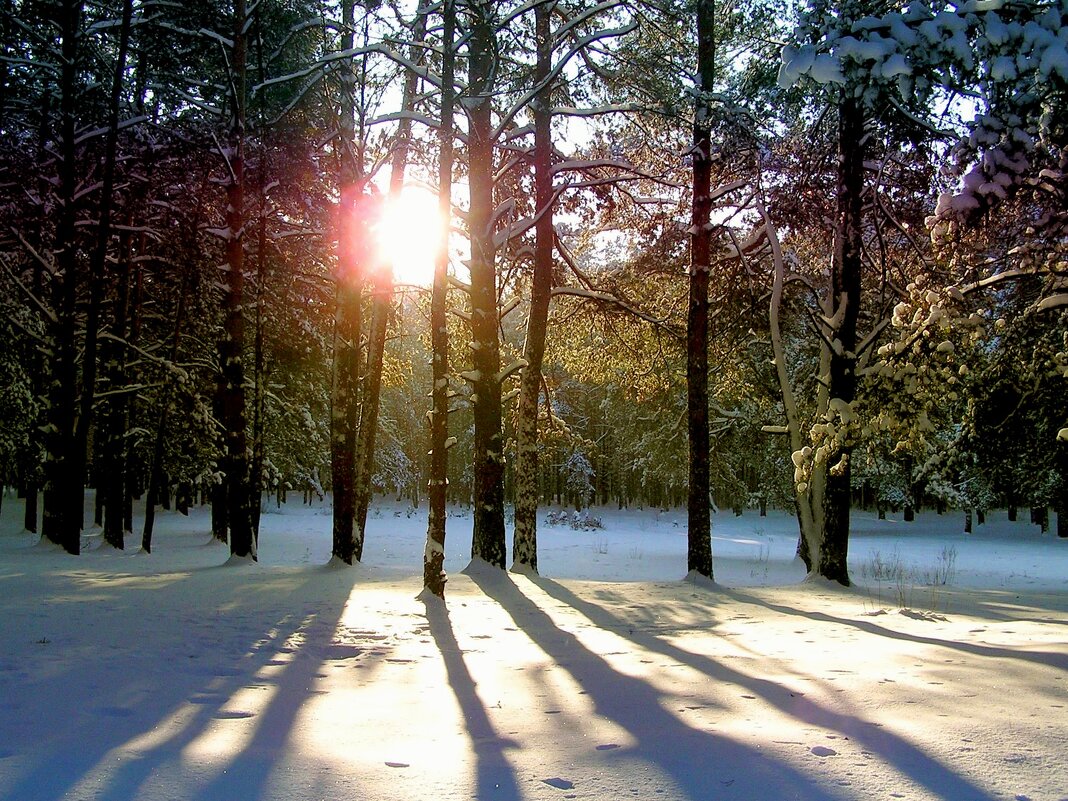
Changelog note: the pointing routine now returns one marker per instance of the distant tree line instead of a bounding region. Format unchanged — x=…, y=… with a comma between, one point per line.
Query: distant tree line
x=692, y=253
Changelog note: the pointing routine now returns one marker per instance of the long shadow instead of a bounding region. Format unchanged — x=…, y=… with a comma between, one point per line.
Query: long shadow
x=702, y=765
x=903, y=755
x=494, y=773
x=81, y=751
x=1052, y=659
x=249, y=771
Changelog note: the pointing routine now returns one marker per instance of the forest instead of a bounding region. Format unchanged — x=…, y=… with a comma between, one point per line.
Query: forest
x=720, y=255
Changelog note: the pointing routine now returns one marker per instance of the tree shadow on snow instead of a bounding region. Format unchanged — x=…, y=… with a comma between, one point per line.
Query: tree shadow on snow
x=1054, y=659
x=895, y=750
x=701, y=764
x=495, y=775
x=187, y=700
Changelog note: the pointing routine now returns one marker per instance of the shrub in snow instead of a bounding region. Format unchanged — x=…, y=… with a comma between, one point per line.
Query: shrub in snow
x=579, y=521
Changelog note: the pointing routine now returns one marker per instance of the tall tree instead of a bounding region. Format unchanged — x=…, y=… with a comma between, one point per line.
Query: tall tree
x=437, y=493
x=525, y=542
x=232, y=400
x=115, y=428
x=64, y=482
x=345, y=412
x=382, y=289
x=488, y=539
x=846, y=268
x=698, y=506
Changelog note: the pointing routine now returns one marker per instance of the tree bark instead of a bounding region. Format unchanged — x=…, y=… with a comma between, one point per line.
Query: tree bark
x=808, y=493
x=381, y=302
x=698, y=504
x=488, y=541
x=845, y=298
x=525, y=537
x=155, y=472
x=235, y=462
x=382, y=299
x=61, y=519
x=437, y=491
x=115, y=418
x=259, y=374
x=345, y=410
x=115, y=424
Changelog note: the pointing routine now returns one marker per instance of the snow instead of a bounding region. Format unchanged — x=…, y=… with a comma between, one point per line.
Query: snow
x=134, y=677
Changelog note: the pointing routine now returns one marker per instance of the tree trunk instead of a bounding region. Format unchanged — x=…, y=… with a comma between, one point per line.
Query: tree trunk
x=259, y=369
x=64, y=483
x=1040, y=517
x=114, y=430
x=698, y=505
x=155, y=470
x=29, y=515
x=382, y=299
x=1060, y=492
x=525, y=538
x=845, y=295
x=437, y=490
x=381, y=304
x=235, y=461
x=488, y=541
x=115, y=419
x=345, y=412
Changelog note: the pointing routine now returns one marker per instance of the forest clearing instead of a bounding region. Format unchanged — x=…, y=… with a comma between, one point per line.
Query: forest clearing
x=523, y=399
x=183, y=674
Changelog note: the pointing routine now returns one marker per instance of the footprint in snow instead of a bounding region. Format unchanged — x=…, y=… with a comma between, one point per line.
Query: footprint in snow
x=823, y=751
x=237, y=714
x=397, y=765
x=608, y=747
x=559, y=784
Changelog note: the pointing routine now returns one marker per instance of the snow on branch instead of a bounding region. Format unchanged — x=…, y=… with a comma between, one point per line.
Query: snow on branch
x=123, y=125
x=318, y=65
x=47, y=313
x=414, y=116
x=612, y=300
x=458, y=284
x=582, y=42
x=506, y=207
x=1052, y=302
x=521, y=226
x=510, y=370
x=218, y=37
x=203, y=105
x=597, y=111
x=510, y=306
x=48, y=66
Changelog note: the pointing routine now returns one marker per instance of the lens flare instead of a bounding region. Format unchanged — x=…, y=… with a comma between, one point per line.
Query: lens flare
x=408, y=233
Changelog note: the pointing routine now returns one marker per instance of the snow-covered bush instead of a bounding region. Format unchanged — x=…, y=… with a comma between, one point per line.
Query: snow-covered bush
x=579, y=521
x=578, y=478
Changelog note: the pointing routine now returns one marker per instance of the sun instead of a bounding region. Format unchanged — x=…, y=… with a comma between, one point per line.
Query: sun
x=408, y=233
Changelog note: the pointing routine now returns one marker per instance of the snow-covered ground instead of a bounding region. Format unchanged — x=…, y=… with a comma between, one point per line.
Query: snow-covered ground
x=942, y=675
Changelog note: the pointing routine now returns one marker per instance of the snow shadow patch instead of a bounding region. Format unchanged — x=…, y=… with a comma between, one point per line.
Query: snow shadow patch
x=1053, y=659
x=895, y=750
x=212, y=649
x=494, y=774
x=700, y=764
